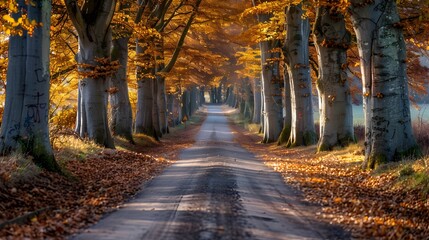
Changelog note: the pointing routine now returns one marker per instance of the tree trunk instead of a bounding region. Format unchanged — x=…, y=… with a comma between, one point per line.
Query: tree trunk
x=219, y=94
x=95, y=41
x=202, y=98
x=25, y=123
x=161, y=91
x=185, y=105
x=144, y=116
x=93, y=93
x=273, y=122
x=144, y=122
x=297, y=59
x=256, y=101
x=162, y=105
x=388, y=132
x=155, y=108
x=193, y=100
x=212, y=95
x=262, y=124
x=121, y=112
x=287, y=110
x=170, y=109
x=229, y=96
x=248, y=101
x=336, y=118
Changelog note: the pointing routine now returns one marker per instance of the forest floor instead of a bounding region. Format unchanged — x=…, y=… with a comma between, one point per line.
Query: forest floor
x=38, y=204
x=389, y=203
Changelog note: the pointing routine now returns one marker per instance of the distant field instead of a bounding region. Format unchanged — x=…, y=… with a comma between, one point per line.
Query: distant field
x=422, y=112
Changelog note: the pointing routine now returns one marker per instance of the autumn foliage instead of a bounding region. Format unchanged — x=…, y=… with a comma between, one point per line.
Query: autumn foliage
x=220, y=54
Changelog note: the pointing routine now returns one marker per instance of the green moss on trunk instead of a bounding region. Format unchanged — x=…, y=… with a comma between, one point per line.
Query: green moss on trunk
x=414, y=151
x=284, y=135
x=345, y=141
x=42, y=155
x=310, y=138
x=323, y=147
x=375, y=160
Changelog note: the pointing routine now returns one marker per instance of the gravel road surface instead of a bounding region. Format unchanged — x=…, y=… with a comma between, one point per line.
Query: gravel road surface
x=218, y=190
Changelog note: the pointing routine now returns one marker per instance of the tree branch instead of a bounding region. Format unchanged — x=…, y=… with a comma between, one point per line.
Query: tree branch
x=181, y=41
x=140, y=12
x=76, y=16
x=104, y=16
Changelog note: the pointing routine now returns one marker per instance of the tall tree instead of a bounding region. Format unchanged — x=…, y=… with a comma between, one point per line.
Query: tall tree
x=25, y=119
x=388, y=132
x=272, y=98
x=287, y=109
x=157, y=20
x=121, y=113
x=332, y=41
x=296, y=55
x=92, y=22
x=271, y=83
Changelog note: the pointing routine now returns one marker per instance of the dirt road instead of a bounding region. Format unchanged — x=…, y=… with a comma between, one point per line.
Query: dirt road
x=218, y=190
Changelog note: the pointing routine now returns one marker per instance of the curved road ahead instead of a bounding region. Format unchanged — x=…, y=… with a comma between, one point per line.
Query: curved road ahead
x=218, y=190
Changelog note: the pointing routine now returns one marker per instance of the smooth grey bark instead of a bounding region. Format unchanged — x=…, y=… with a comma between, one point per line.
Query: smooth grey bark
x=219, y=93
x=296, y=55
x=173, y=111
x=156, y=117
x=262, y=124
x=202, y=98
x=144, y=113
x=185, y=104
x=272, y=100
x=161, y=91
x=287, y=110
x=256, y=100
x=336, y=117
x=121, y=112
x=248, y=101
x=193, y=104
x=145, y=122
x=158, y=11
x=162, y=105
x=92, y=23
x=230, y=96
x=215, y=96
x=388, y=132
x=25, y=123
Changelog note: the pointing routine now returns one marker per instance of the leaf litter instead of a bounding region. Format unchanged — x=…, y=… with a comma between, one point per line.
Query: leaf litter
x=368, y=204
x=91, y=187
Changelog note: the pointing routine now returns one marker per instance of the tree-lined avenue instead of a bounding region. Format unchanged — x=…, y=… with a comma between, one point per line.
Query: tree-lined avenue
x=218, y=190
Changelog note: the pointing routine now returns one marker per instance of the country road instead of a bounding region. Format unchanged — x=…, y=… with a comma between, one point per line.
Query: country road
x=218, y=190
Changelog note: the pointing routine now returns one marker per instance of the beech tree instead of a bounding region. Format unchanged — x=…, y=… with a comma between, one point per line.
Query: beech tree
x=296, y=55
x=92, y=23
x=388, y=132
x=121, y=113
x=25, y=119
x=271, y=83
x=160, y=15
x=332, y=41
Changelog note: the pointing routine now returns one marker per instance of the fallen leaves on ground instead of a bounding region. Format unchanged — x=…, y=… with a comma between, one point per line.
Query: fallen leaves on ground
x=368, y=204
x=89, y=189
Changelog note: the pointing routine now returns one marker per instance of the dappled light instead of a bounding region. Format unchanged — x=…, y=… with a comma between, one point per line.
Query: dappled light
x=208, y=119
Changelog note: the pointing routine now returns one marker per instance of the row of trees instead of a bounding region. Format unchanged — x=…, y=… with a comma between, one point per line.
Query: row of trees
x=93, y=45
x=298, y=39
x=141, y=66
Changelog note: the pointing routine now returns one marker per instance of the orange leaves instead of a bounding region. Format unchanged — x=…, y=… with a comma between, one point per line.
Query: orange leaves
x=103, y=68
x=15, y=26
x=99, y=183
x=368, y=204
x=94, y=185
